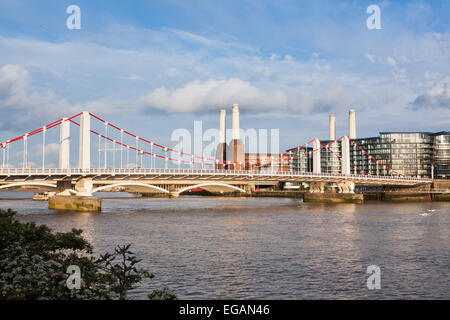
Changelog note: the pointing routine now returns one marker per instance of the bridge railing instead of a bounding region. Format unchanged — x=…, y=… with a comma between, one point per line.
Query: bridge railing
x=144, y=171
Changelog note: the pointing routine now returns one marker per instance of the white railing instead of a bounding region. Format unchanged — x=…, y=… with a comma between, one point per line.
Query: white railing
x=146, y=171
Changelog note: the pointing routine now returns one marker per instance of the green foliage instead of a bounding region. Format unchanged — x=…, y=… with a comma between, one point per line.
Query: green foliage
x=162, y=294
x=122, y=276
x=33, y=264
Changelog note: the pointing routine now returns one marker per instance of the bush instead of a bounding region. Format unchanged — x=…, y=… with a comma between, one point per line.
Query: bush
x=33, y=264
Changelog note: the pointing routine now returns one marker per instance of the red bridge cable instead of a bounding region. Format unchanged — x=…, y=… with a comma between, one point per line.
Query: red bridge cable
x=140, y=150
x=193, y=162
x=200, y=157
x=32, y=133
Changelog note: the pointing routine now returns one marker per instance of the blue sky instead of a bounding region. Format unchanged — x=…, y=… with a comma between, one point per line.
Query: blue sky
x=155, y=66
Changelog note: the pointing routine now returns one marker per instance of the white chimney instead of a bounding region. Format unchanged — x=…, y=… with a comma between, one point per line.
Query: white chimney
x=235, y=121
x=351, y=124
x=332, y=127
x=223, y=128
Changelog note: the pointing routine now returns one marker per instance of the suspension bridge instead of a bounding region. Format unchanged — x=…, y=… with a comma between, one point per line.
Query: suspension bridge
x=124, y=159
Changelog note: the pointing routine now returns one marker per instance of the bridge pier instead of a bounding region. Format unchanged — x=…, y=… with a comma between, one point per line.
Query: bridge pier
x=249, y=188
x=84, y=187
x=173, y=192
x=346, y=193
x=75, y=203
x=316, y=187
x=346, y=187
x=82, y=201
x=63, y=187
x=174, y=195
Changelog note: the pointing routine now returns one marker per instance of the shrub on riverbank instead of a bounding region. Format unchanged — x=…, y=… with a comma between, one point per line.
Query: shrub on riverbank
x=34, y=261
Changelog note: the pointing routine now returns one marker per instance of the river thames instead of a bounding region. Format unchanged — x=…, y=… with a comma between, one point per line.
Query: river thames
x=267, y=248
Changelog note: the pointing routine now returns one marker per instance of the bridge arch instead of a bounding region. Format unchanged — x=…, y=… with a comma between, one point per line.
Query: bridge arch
x=20, y=184
x=129, y=184
x=215, y=184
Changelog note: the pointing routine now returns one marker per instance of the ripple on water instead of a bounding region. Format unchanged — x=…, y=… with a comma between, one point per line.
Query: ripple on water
x=268, y=248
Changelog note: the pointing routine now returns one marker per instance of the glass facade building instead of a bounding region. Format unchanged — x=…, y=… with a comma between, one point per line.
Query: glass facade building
x=300, y=159
x=407, y=153
x=441, y=155
x=329, y=160
x=413, y=154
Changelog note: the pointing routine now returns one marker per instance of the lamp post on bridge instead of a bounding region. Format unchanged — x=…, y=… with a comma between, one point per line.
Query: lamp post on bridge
x=99, y=152
x=128, y=156
x=4, y=156
x=137, y=150
x=106, y=141
x=114, y=153
x=152, y=156
x=121, y=148
x=165, y=158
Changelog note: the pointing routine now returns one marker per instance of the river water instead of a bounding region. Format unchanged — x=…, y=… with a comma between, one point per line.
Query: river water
x=267, y=248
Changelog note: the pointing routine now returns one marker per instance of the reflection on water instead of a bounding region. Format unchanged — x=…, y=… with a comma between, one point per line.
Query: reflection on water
x=261, y=248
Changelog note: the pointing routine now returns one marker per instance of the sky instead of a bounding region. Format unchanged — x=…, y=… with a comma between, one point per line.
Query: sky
x=153, y=67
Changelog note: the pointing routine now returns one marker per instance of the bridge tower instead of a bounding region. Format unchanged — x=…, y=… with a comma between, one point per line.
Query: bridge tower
x=316, y=156
x=345, y=165
x=84, y=152
x=64, y=144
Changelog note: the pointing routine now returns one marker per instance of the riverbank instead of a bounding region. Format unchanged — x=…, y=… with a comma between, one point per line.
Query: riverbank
x=327, y=197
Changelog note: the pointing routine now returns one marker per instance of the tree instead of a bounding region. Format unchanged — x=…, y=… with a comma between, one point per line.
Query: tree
x=33, y=264
x=162, y=294
x=122, y=276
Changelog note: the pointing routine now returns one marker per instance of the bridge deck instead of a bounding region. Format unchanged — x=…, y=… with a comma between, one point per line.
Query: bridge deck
x=108, y=175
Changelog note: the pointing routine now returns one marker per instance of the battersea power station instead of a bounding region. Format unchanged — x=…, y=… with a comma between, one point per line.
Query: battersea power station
x=233, y=155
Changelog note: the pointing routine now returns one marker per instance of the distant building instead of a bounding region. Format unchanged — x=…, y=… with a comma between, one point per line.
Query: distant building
x=230, y=156
x=300, y=159
x=267, y=162
x=414, y=154
x=441, y=155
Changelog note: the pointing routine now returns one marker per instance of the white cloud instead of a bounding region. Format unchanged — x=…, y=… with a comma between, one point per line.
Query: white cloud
x=97, y=77
x=438, y=96
x=371, y=57
x=274, y=57
x=213, y=94
x=133, y=77
x=325, y=67
x=20, y=103
x=391, y=61
x=52, y=148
